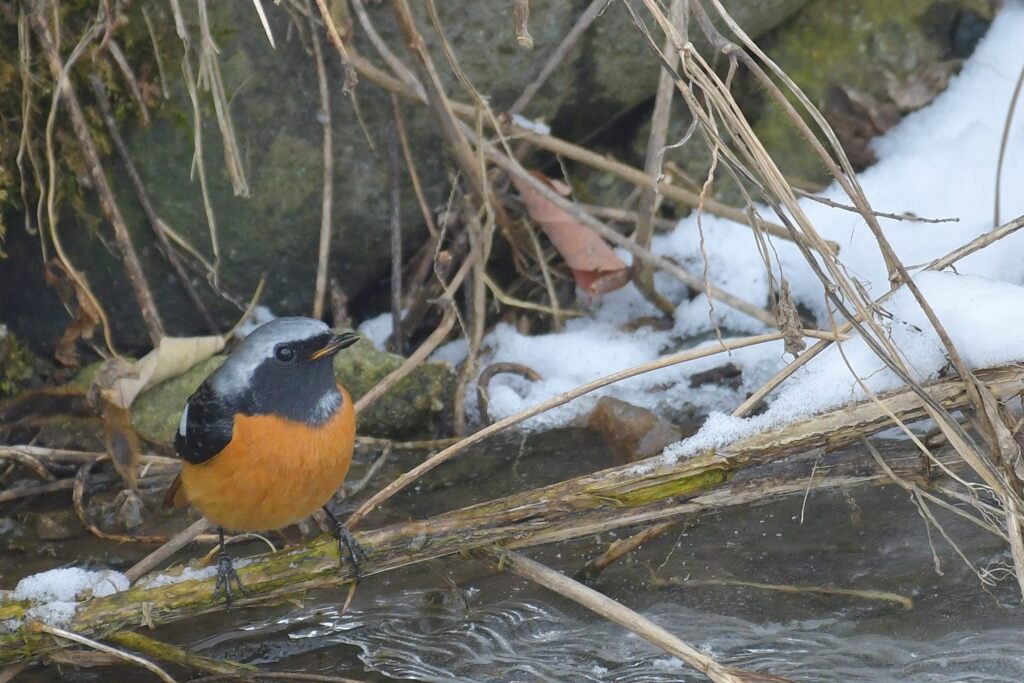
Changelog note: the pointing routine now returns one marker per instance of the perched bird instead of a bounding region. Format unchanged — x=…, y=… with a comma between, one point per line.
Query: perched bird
x=268, y=437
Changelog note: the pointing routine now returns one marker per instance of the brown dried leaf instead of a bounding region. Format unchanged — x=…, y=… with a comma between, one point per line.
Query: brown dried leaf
x=122, y=442
x=789, y=321
x=596, y=268
x=86, y=316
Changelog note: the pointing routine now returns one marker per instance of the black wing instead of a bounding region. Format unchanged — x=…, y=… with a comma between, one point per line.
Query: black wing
x=207, y=423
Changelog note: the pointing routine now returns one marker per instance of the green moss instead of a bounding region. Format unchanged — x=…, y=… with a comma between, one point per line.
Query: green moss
x=288, y=180
x=672, y=488
x=861, y=46
x=156, y=413
x=19, y=368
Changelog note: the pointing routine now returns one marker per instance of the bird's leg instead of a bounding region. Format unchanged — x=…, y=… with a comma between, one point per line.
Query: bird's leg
x=347, y=545
x=226, y=574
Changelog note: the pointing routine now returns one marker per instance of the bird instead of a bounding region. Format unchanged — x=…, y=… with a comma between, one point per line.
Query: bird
x=267, y=438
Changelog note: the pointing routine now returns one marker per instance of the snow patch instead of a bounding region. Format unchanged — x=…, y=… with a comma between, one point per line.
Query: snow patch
x=938, y=162
x=68, y=584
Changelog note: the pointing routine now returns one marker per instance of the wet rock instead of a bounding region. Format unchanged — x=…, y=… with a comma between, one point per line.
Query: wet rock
x=633, y=433
x=728, y=375
x=55, y=526
x=11, y=529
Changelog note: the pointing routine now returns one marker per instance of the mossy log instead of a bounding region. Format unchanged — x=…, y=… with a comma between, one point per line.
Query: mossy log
x=617, y=497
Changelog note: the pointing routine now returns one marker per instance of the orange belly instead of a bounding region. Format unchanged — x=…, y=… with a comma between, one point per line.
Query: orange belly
x=274, y=472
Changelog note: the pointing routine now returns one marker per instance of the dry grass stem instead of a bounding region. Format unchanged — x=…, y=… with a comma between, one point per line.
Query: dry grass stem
x=880, y=596
x=643, y=273
x=1011, y=107
x=593, y=11
x=210, y=79
x=339, y=45
x=395, y=229
x=327, y=196
x=511, y=166
x=155, y=222
x=173, y=545
x=95, y=645
x=424, y=350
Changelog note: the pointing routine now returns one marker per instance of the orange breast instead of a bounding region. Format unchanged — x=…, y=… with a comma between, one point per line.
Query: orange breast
x=274, y=472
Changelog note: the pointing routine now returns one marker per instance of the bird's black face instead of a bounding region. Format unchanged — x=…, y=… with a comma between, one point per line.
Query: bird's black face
x=297, y=380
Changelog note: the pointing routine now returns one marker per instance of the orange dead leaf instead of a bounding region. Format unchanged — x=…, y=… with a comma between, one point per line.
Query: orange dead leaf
x=595, y=266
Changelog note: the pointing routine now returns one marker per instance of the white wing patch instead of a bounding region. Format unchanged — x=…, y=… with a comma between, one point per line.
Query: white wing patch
x=184, y=421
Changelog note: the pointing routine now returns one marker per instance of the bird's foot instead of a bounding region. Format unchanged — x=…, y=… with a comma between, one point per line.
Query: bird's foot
x=226, y=575
x=349, y=549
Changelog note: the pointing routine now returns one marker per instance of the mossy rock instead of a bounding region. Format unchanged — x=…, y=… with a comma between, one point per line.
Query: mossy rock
x=881, y=52
x=417, y=407
x=156, y=413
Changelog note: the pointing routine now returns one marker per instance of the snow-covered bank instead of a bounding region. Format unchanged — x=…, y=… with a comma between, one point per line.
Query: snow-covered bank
x=938, y=162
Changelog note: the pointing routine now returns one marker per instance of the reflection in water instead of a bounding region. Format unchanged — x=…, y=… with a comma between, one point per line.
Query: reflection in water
x=518, y=641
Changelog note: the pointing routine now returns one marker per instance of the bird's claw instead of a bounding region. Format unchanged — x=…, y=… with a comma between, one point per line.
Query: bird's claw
x=226, y=575
x=349, y=547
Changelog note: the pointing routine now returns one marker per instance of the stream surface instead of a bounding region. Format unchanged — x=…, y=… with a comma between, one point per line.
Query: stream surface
x=459, y=620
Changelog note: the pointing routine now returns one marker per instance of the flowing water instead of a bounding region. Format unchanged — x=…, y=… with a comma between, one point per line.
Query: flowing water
x=458, y=620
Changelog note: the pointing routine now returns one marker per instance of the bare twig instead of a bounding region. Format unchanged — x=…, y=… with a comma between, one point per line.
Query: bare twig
x=343, y=53
x=620, y=548
x=593, y=11
x=133, y=84
x=96, y=645
x=156, y=54
x=108, y=203
x=409, y=364
x=949, y=259
x=511, y=166
x=395, y=198
x=484, y=380
x=1002, y=143
x=643, y=273
x=522, y=11
x=327, y=204
x=173, y=545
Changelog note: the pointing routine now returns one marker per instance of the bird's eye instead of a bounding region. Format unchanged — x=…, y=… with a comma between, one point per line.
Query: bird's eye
x=285, y=354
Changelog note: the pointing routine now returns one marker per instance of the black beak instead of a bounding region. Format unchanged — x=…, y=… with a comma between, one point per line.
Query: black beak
x=334, y=344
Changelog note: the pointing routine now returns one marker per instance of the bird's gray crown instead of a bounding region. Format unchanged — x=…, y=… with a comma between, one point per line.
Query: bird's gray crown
x=235, y=374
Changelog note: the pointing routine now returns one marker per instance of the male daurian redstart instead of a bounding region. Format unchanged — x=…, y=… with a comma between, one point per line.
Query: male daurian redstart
x=268, y=437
